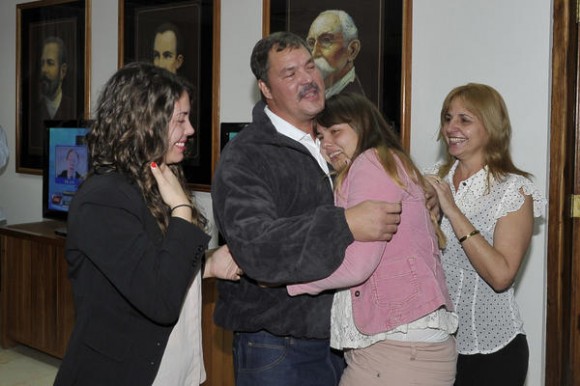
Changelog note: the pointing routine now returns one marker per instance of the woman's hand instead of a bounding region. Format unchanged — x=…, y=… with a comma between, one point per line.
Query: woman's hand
x=169, y=186
x=220, y=263
x=444, y=195
x=432, y=202
x=171, y=191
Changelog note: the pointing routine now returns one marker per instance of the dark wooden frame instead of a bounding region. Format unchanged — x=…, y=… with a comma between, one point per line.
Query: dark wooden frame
x=388, y=53
x=198, y=22
x=562, y=332
x=69, y=20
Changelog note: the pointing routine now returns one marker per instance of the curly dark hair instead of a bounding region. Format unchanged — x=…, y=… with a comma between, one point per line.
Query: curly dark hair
x=130, y=127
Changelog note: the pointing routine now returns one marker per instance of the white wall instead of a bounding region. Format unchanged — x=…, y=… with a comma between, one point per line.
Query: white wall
x=507, y=45
x=503, y=43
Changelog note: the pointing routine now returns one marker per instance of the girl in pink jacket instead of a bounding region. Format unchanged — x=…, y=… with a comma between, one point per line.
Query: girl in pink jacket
x=391, y=314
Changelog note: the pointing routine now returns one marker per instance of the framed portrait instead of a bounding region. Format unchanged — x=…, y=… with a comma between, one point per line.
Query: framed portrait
x=182, y=37
x=52, y=72
x=370, y=53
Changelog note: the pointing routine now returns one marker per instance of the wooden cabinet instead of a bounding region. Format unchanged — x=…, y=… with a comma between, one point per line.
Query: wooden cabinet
x=37, y=307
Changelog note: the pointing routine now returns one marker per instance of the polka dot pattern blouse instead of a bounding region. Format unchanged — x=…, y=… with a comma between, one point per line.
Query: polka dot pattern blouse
x=488, y=320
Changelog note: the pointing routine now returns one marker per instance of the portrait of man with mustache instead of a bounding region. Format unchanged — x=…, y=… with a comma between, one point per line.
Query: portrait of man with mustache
x=49, y=101
x=53, y=71
x=333, y=39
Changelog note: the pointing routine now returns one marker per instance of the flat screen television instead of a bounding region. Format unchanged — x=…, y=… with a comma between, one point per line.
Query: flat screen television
x=65, y=166
x=228, y=130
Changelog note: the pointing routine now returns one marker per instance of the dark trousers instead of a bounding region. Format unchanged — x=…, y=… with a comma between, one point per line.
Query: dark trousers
x=264, y=359
x=508, y=366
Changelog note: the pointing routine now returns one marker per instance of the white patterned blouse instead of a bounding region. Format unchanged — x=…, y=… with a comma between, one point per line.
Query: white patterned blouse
x=488, y=320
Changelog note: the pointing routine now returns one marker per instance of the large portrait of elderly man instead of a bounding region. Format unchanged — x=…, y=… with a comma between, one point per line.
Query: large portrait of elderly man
x=356, y=45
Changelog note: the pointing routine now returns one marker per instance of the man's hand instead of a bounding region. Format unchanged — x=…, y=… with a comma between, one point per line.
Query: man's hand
x=374, y=220
x=220, y=263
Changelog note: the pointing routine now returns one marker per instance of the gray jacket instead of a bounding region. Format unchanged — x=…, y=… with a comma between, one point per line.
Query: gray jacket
x=274, y=206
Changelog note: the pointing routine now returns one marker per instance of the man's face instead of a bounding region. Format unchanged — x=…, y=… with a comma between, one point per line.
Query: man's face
x=72, y=160
x=295, y=91
x=52, y=72
x=329, y=49
x=165, y=52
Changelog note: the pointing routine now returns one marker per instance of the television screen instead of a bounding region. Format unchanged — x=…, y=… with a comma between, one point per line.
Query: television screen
x=228, y=130
x=65, y=163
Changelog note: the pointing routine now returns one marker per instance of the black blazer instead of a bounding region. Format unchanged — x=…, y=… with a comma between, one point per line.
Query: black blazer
x=128, y=282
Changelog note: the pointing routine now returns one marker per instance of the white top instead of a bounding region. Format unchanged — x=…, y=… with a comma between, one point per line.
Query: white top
x=182, y=362
x=434, y=327
x=312, y=144
x=488, y=320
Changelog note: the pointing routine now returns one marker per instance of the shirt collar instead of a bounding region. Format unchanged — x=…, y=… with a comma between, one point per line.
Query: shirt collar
x=342, y=83
x=285, y=128
x=476, y=184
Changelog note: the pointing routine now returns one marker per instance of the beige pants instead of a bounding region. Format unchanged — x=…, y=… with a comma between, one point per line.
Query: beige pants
x=401, y=363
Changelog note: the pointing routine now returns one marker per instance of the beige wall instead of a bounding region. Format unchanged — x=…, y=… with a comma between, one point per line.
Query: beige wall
x=503, y=43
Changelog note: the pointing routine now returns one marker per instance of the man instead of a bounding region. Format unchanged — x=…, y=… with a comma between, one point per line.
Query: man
x=72, y=162
x=333, y=39
x=53, y=103
x=168, y=48
x=273, y=203
x=53, y=71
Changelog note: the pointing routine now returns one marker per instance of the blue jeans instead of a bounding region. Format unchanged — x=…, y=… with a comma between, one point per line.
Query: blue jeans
x=264, y=359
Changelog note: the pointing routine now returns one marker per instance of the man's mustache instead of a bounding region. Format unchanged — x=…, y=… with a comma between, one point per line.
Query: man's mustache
x=324, y=67
x=309, y=87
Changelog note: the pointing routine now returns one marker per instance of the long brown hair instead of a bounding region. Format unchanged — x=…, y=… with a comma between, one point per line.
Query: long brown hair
x=373, y=131
x=132, y=118
x=489, y=107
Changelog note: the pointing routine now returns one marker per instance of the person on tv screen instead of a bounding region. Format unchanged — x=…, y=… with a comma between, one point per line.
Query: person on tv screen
x=72, y=163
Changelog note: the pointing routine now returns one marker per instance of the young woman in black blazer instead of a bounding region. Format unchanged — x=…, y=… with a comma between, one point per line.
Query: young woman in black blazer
x=136, y=242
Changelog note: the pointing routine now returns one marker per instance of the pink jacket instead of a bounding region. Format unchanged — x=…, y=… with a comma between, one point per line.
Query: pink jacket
x=391, y=283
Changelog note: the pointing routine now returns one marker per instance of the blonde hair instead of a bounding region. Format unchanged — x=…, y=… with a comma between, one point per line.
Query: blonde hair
x=489, y=107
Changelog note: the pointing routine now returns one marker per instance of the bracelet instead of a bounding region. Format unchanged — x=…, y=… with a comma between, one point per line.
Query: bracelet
x=473, y=233
x=181, y=205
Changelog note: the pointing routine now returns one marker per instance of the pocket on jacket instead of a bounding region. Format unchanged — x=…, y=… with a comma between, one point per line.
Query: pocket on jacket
x=396, y=285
